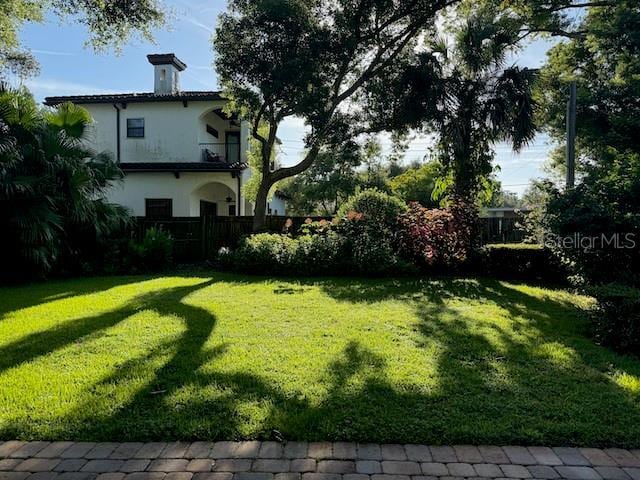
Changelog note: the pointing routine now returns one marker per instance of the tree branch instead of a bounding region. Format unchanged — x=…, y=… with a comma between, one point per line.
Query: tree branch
x=378, y=64
x=553, y=31
x=285, y=172
x=256, y=124
x=603, y=3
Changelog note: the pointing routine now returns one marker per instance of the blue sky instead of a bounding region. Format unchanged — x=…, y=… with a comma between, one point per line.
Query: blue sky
x=67, y=68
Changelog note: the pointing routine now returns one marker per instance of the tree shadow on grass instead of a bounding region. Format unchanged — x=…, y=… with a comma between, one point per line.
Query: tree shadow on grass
x=13, y=298
x=529, y=377
x=532, y=378
x=164, y=301
x=97, y=419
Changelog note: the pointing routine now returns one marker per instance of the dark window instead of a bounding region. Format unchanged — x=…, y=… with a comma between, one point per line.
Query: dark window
x=232, y=210
x=158, y=207
x=135, y=127
x=212, y=131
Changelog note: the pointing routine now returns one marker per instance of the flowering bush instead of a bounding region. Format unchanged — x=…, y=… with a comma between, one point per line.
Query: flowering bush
x=368, y=223
x=309, y=227
x=434, y=237
x=375, y=234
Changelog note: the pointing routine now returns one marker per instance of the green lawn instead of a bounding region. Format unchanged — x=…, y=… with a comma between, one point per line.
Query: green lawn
x=235, y=357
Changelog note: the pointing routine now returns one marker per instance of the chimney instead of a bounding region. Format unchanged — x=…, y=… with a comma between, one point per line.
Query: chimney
x=167, y=68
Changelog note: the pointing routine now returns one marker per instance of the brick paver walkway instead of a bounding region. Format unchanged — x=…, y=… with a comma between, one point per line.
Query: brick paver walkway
x=306, y=461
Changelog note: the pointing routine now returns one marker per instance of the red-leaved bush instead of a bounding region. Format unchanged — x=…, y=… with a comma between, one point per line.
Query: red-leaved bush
x=436, y=237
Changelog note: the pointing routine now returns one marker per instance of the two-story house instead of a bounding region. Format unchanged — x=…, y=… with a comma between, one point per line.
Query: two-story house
x=182, y=155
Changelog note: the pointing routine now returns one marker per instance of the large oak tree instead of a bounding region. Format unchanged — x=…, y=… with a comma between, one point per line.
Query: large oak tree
x=317, y=60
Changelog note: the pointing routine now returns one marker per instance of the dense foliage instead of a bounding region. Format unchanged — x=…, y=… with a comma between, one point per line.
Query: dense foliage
x=272, y=253
x=320, y=61
x=52, y=205
x=594, y=228
x=616, y=321
x=374, y=206
x=153, y=253
x=605, y=64
x=374, y=234
x=520, y=261
x=417, y=184
x=433, y=237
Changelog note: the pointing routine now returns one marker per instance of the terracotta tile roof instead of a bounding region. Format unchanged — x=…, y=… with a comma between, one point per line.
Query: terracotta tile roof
x=135, y=97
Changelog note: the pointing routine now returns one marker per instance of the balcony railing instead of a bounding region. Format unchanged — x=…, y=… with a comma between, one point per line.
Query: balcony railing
x=220, y=152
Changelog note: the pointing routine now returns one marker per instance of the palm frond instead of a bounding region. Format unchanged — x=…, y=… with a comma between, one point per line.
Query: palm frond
x=69, y=119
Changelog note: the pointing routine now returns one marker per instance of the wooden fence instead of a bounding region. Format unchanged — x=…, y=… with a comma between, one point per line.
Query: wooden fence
x=199, y=238
x=500, y=230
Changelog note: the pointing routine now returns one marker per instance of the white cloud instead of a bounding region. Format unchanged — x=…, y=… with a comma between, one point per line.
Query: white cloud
x=53, y=52
x=199, y=24
x=42, y=87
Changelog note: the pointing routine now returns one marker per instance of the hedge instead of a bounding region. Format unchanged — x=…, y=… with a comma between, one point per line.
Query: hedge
x=616, y=321
x=520, y=261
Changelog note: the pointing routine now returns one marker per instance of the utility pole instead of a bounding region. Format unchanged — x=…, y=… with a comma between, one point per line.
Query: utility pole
x=571, y=136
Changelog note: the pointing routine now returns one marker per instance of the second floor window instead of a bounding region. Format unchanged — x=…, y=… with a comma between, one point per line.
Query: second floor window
x=135, y=127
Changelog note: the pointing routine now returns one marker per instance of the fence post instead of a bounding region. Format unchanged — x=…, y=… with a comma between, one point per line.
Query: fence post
x=203, y=236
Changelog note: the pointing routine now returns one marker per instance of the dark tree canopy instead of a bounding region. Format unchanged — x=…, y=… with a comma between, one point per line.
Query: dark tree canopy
x=470, y=98
x=315, y=59
x=605, y=64
x=52, y=187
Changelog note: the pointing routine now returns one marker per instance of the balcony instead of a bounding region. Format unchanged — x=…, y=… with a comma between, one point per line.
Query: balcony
x=220, y=152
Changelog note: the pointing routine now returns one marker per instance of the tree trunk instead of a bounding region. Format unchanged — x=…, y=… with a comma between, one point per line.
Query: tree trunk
x=260, y=211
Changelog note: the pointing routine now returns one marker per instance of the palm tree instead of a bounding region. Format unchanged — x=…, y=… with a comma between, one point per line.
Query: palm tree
x=479, y=99
x=52, y=187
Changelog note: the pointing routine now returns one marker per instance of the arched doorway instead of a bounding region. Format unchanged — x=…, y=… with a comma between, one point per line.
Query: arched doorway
x=214, y=198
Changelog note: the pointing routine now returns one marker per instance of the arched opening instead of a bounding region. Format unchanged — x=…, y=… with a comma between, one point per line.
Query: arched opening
x=214, y=198
x=219, y=137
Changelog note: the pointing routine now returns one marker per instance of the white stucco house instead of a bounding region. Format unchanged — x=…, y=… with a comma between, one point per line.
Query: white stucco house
x=181, y=154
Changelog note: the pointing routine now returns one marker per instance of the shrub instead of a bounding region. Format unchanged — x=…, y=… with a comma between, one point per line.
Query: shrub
x=281, y=254
x=521, y=261
x=319, y=253
x=309, y=227
x=263, y=253
x=372, y=206
x=432, y=237
x=154, y=253
x=616, y=321
x=582, y=222
x=367, y=221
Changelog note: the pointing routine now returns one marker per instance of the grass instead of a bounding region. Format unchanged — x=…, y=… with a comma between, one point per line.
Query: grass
x=236, y=357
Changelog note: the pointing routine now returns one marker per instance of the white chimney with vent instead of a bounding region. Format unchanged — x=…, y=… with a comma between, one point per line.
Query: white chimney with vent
x=167, y=68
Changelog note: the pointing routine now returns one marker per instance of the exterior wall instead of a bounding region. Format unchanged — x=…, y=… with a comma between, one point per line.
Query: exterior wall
x=186, y=191
x=173, y=132
x=171, y=82
x=277, y=206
